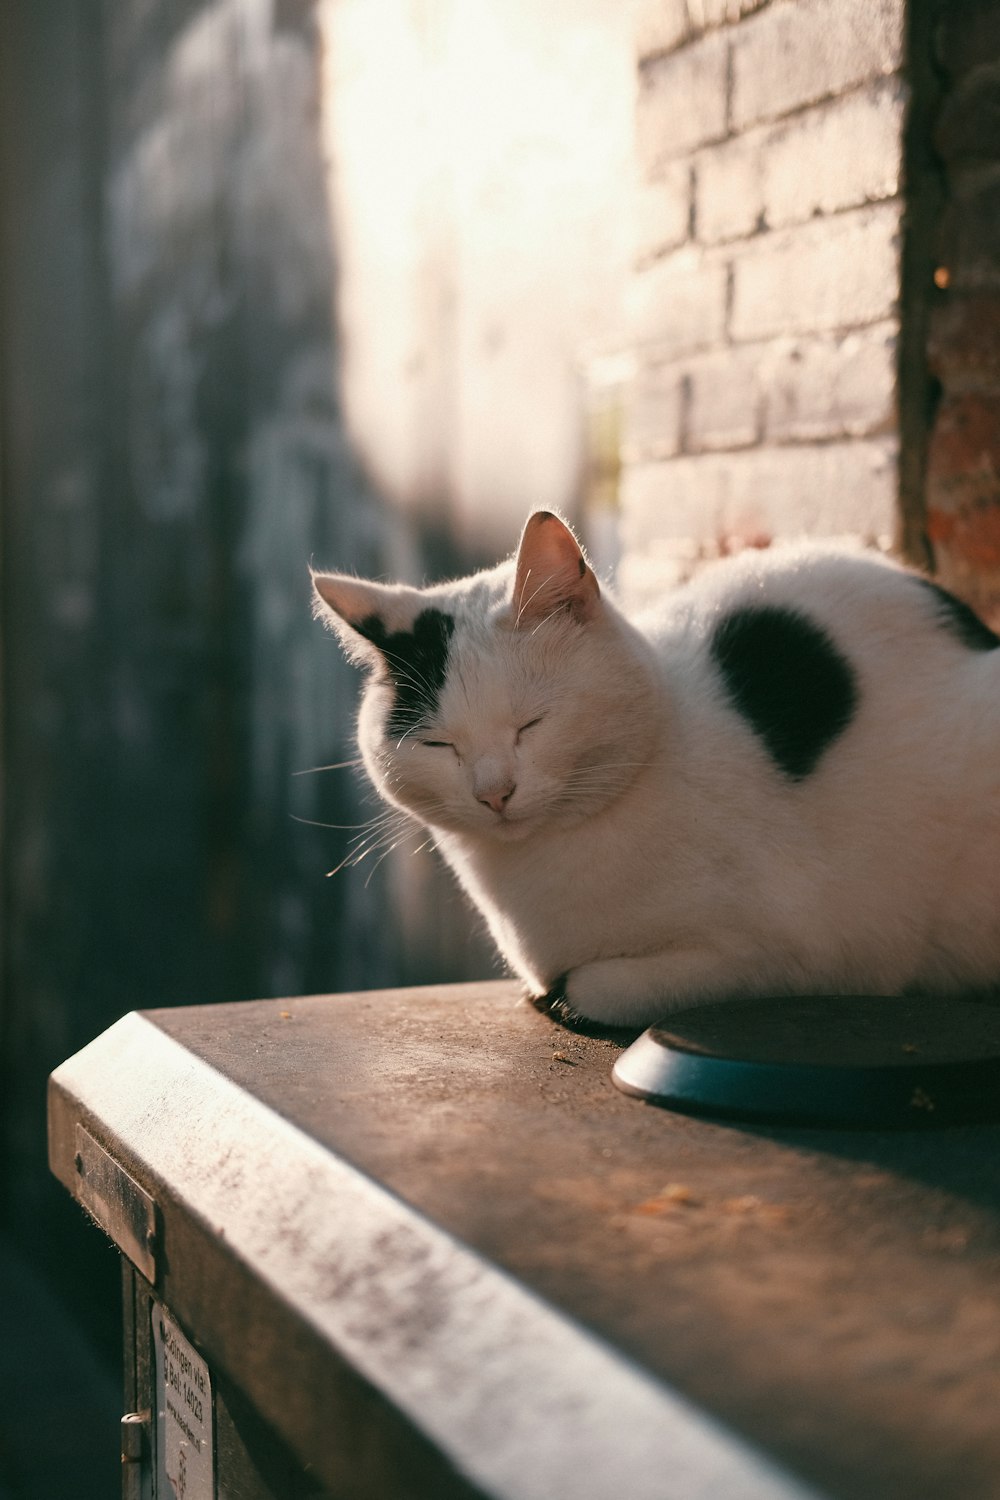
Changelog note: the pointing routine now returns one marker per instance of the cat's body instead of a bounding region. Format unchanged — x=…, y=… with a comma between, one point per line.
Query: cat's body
x=787, y=780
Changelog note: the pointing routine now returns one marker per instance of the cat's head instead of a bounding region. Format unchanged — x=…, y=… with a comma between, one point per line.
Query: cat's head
x=499, y=704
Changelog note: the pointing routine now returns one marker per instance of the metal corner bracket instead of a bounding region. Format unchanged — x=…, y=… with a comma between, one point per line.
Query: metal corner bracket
x=123, y=1209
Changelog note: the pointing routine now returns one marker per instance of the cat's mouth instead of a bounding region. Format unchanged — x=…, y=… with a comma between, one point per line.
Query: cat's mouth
x=508, y=825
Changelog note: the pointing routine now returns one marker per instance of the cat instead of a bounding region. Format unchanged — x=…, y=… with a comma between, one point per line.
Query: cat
x=785, y=779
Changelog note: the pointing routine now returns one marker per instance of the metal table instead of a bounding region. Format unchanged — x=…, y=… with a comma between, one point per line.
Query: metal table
x=415, y=1243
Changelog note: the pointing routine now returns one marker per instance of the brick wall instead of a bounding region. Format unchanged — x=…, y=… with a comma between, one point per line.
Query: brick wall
x=963, y=471
x=766, y=295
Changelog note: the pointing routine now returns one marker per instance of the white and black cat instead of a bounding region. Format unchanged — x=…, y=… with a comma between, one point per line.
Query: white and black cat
x=787, y=779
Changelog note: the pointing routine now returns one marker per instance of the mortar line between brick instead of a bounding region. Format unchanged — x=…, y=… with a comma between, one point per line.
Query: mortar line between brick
x=762, y=231
x=837, y=332
x=772, y=124
x=759, y=235
x=834, y=96
x=875, y=438
x=663, y=352
x=686, y=389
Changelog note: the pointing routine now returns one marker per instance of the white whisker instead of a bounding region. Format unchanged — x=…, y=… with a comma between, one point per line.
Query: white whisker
x=545, y=619
x=522, y=602
x=340, y=765
x=316, y=823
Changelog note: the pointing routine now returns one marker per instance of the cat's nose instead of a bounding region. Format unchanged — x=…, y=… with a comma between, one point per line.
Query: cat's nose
x=493, y=781
x=498, y=798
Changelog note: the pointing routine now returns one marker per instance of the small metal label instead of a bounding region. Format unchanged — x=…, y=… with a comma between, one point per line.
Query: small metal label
x=123, y=1209
x=185, y=1451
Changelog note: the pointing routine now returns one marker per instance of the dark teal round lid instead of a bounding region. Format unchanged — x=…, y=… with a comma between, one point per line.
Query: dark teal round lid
x=836, y=1060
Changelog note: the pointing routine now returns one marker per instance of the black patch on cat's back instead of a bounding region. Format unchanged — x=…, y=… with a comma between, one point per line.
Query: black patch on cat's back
x=788, y=680
x=961, y=621
x=417, y=660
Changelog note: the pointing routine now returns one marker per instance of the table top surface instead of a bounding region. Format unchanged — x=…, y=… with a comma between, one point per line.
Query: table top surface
x=829, y=1295
x=833, y=1295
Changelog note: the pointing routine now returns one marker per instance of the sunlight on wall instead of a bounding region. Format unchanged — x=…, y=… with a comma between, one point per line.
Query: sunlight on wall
x=481, y=180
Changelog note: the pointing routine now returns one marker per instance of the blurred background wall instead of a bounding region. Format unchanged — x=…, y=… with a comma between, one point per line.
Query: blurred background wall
x=173, y=455
x=280, y=284
x=484, y=233
x=361, y=282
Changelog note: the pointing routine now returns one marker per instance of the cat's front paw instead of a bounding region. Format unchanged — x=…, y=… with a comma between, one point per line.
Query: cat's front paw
x=559, y=1002
x=626, y=994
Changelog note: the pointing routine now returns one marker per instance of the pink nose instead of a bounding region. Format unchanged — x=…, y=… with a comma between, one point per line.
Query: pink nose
x=499, y=798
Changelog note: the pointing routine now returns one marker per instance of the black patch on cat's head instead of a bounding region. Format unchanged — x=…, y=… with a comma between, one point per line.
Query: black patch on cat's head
x=417, y=660
x=788, y=680
x=961, y=621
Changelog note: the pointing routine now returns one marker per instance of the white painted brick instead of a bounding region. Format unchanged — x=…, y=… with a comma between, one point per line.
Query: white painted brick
x=663, y=25
x=723, y=408
x=706, y=13
x=835, y=273
x=663, y=211
x=841, y=154
x=660, y=26
x=679, y=303
x=797, y=52
x=786, y=390
x=682, y=101
x=829, y=489
x=826, y=489
x=729, y=189
x=653, y=412
x=672, y=499
x=830, y=387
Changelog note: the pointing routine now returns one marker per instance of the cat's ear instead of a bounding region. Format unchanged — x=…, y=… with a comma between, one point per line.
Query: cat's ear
x=364, y=614
x=552, y=573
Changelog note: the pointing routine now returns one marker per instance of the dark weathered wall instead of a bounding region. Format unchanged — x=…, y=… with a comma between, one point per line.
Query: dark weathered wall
x=963, y=482
x=173, y=457
x=57, y=837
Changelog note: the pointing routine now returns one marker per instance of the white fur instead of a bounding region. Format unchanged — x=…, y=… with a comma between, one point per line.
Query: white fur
x=652, y=851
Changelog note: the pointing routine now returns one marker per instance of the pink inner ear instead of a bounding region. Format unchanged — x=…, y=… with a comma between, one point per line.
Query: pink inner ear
x=354, y=600
x=351, y=598
x=552, y=573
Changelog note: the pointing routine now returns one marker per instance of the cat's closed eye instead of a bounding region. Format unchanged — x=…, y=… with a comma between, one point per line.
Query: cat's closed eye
x=437, y=744
x=530, y=725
